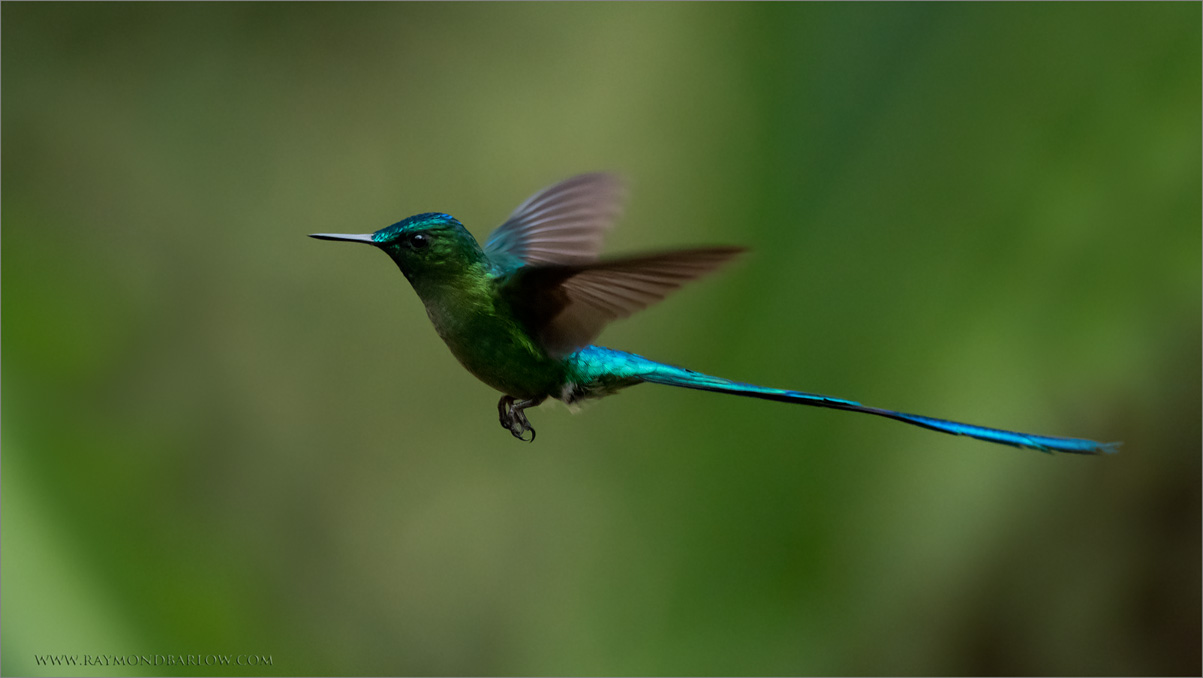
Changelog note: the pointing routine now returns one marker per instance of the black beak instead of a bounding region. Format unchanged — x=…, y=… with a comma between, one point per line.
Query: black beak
x=365, y=238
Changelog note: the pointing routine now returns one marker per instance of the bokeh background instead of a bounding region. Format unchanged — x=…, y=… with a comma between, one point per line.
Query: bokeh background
x=223, y=437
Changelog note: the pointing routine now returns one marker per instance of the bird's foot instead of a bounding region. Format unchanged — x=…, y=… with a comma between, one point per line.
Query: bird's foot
x=513, y=419
x=504, y=413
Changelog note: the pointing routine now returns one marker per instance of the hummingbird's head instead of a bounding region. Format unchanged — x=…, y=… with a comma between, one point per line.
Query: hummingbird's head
x=427, y=247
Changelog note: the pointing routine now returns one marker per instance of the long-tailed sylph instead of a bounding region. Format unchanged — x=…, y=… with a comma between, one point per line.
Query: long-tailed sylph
x=521, y=313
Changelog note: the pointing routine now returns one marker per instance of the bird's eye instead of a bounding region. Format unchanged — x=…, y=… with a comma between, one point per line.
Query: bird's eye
x=419, y=241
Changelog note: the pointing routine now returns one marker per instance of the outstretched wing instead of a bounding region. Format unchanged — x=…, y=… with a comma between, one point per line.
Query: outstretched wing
x=561, y=224
x=565, y=307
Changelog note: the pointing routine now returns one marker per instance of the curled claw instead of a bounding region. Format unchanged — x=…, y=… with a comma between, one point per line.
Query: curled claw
x=513, y=419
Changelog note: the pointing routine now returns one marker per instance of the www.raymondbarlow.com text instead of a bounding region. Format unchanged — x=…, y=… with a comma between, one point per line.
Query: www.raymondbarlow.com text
x=153, y=659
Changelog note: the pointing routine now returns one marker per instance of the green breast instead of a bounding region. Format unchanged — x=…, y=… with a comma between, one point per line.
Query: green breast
x=484, y=336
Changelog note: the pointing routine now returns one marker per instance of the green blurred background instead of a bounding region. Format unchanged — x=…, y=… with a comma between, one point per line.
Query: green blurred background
x=220, y=436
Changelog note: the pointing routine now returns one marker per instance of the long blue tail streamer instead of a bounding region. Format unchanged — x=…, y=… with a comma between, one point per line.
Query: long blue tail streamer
x=659, y=373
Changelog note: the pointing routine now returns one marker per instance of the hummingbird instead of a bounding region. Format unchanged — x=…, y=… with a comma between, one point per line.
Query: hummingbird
x=521, y=313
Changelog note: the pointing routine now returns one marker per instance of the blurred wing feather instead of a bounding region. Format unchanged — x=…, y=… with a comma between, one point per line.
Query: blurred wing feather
x=566, y=307
x=561, y=224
